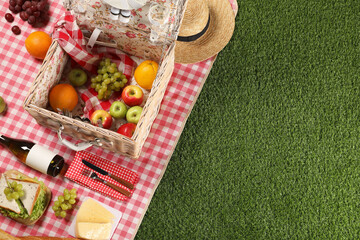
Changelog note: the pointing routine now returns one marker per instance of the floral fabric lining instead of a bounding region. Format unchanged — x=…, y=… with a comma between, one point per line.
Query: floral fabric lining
x=132, y=38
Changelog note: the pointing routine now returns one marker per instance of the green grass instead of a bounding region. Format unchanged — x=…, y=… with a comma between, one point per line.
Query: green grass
x=271, y=149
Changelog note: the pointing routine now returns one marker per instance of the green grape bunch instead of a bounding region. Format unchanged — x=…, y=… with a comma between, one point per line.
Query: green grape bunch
x=108, y=80
x=64, y=202
x=14, y=191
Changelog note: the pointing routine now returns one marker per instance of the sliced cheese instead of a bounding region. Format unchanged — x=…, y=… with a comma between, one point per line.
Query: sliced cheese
x=93, y=212
x=4, y=203
x=89, y=230
x=31, y=192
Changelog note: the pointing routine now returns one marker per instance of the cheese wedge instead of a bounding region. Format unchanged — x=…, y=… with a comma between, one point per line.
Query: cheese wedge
x=93, y=212
x=88, y=230
x=93, y=221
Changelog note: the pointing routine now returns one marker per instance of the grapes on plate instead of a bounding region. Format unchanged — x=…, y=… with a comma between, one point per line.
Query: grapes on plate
x=64, y=202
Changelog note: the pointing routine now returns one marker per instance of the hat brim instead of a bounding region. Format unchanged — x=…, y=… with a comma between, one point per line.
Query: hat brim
x=221, y=28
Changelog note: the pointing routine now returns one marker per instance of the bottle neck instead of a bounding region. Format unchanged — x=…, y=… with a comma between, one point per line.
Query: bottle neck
x=4, y=140
x=16, y=145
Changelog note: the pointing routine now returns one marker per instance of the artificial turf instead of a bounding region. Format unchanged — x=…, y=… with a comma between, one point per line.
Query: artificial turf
x=271, y=149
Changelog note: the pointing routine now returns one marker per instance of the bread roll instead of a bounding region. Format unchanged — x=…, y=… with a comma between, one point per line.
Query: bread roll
x=6, y=236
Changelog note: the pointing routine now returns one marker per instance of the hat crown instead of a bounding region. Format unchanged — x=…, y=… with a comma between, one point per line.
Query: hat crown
x=195, y=19
x=206, y=28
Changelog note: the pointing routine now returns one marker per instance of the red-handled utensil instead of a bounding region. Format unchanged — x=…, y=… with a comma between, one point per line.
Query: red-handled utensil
x=103, y=172
x=94, y=176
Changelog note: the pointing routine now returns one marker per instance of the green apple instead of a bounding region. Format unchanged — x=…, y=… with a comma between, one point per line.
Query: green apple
x=118, y=109
x=133, y=114
x=3, y=106
x=77, y=77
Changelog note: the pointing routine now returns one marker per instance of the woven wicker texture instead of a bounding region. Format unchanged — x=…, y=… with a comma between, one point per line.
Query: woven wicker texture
x=36, y=101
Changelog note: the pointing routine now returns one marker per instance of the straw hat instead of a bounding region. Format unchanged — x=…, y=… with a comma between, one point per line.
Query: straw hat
x=206, y=28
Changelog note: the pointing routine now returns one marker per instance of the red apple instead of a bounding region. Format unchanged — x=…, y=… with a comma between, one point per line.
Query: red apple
x=127, y=129
x=132, y=95
x=101, y=118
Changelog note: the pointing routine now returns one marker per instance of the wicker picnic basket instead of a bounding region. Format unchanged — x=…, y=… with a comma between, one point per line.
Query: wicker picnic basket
x=36, y=102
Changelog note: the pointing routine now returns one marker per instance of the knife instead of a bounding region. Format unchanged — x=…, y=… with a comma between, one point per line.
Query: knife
x=103, y=172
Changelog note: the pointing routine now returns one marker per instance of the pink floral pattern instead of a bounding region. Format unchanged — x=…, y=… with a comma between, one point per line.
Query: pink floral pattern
x=142, y=26
x=130, y=34
x=132, y=38
x=96, y=5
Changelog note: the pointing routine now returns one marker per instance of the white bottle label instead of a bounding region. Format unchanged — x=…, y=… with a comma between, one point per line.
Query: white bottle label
x=39, y=158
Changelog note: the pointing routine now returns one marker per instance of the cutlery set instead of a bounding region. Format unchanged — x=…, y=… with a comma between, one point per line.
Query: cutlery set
x=95, y=176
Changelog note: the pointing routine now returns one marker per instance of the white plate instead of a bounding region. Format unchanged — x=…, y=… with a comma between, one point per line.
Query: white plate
x=116, y=213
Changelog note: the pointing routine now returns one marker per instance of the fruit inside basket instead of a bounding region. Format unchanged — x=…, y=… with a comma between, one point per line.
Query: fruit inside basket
x=87, y=94
x=132, y=46
x=54, y=71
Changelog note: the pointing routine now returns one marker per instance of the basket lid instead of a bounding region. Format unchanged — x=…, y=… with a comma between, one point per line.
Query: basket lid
x=135, y=37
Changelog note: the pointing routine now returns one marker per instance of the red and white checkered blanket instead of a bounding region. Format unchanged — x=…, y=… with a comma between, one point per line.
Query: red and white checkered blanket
x=180, y=95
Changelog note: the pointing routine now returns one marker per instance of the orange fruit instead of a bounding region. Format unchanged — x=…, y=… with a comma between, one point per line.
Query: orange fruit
x=145, y=73
x=37, y=44
x=63, y=96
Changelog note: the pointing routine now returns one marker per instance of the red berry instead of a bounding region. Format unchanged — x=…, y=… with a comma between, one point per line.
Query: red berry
x=32, y=20
x=37, y=13
x=44, y=18
x=26, y=5
x=29, y=11
x=9, y=17
x=24, y=16
x=16, y=30
x=33, y=8
x=12, y=8
x=18, y=8
x=12, y=3
x=41, y=5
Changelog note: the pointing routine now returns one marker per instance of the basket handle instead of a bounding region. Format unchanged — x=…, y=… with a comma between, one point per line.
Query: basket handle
x=93, y=39
x=79, y=146
x=94, y=36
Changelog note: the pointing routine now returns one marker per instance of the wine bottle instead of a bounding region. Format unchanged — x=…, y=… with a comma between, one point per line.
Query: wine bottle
x=34, y=155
